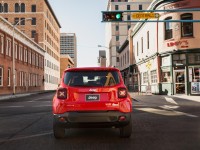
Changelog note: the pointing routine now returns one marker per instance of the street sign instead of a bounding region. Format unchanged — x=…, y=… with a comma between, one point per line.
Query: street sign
x=148, y=65
x=145, y=15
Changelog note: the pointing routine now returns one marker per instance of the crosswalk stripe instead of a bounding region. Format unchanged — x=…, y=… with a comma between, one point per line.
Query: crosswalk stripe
x=165, y=112
x=170, y=100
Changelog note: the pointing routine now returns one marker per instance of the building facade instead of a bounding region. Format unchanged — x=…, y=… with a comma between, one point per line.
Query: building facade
x=116, y=33
x=68, y=46
x=166, y=55
x=43, y=28
x=28, y=58
x=102, y=58
x=65, y=62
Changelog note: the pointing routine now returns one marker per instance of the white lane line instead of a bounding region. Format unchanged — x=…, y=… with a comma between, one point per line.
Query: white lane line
x=170, y=100
x=11, y=106
x=165, y=112
x=42, y=106
x=26, y=137
x=37, y=99
x=169, y=107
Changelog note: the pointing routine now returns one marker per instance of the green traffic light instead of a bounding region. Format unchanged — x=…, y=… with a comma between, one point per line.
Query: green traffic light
x=118, y=16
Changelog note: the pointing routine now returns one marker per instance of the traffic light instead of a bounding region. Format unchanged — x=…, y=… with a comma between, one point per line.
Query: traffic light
x=112, y=16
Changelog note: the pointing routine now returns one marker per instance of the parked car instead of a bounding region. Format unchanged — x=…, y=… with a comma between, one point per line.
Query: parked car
x=92, y=97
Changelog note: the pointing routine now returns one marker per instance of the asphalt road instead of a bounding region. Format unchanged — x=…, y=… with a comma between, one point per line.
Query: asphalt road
x=159, y=123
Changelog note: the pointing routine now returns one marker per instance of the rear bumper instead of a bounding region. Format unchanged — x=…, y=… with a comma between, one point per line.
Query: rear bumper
x=92, y=119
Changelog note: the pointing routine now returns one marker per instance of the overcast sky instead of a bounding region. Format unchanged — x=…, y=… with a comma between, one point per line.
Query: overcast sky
x=83, y=17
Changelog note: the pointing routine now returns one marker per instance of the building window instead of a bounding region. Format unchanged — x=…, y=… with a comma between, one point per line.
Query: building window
x=117, y=28
x=16, y=51
x=179, y=59
x=1, y=76
x=21, y=53
x=2, y=44
x=117, y=48
x=33, y=33
x=117, y=38
x=5, y=7
x=186, y=27
x=33, y=21
x=145, y=77
x=22, y=21
x=128, y=17
x=153, y=76
x=8, y=77
x=23, y=8
x=128, y=7
x=117, y=59
x=147, y=39
x=165, y=75
x=1, y=8
x=128, y=57
x=168, y=28
x=25, y=56
x=140, y=7
x=8, y=47
x=16, y=20
x=194, y=74
x=33, y=8
x=116, y=7
x=17, y=7
x=128, y=27
x=15, y=77
x=194, y=58
x=142, y=44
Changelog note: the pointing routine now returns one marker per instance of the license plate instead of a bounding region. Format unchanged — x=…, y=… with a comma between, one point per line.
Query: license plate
x=92, y=97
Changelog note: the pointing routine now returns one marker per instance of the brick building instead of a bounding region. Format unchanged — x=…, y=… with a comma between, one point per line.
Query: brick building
x=65, y=62
x=164, y=57
x=44, y=29
x=29, y=61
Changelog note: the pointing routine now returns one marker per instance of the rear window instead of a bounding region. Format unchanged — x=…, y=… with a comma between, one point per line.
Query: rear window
x=92, y=78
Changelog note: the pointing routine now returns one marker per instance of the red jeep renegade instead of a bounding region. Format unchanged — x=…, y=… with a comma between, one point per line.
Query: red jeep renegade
x=92, y=97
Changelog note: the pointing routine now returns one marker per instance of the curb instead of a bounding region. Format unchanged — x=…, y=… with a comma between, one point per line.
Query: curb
x=6, y=97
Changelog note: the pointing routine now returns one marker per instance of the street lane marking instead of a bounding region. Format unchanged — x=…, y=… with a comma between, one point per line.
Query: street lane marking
x=42, y=106
x=11, y=106
x=169, y=107
x=165, y=112
x=37, y=99
x=170, y=100
x=26, y=137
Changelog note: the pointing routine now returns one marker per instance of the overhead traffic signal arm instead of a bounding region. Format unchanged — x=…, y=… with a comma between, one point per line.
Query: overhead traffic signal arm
x=143, y=15
x=112, y=16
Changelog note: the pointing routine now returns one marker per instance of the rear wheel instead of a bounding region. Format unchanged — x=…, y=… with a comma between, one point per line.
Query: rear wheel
x=59, y=132
x=126, y=131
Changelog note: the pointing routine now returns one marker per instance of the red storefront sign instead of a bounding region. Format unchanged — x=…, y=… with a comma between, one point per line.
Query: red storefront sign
x=182, y=44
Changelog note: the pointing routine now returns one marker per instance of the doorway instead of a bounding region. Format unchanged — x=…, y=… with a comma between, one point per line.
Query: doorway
x=179, y=82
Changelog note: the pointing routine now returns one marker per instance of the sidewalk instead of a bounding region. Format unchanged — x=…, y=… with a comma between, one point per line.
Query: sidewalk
x=10, y=96
x=186, y=97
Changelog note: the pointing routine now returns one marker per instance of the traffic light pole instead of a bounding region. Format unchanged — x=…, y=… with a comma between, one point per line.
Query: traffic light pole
x=110, y=19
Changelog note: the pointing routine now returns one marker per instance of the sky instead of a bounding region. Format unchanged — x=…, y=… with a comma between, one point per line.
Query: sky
x=83, y=17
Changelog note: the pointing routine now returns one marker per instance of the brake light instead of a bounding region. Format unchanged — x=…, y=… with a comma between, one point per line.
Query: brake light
x=62, y=93
x=122, y=93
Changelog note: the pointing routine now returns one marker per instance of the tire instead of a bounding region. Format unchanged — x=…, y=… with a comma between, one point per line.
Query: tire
x=59, y=132
x=126, y=131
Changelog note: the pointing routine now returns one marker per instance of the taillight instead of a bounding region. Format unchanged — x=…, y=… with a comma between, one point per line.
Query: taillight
x=122, y=93
x=62, y=93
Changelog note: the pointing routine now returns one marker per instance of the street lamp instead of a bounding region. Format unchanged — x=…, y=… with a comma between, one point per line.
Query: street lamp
x=13, y=65
x=103, y=46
